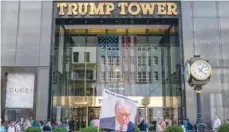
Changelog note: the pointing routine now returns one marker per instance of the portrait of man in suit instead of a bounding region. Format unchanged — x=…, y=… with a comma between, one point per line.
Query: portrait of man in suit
x=121, y=120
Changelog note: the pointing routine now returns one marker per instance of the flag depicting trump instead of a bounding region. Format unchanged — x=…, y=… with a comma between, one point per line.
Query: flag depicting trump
x=117, y=112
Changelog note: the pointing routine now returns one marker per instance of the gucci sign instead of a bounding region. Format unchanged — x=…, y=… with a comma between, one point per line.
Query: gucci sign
x=21, y=90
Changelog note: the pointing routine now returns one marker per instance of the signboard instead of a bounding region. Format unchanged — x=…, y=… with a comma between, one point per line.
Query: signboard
x=117, y=112
x=20, y=91
x=117, y=8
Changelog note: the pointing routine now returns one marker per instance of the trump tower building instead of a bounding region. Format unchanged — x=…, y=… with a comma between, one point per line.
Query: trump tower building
x=62, y=54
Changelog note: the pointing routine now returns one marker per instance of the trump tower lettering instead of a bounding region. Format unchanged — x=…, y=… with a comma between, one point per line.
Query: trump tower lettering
x=117, y=112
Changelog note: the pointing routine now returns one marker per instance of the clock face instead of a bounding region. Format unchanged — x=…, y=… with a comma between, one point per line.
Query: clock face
x=201, y=70
x=187, y=71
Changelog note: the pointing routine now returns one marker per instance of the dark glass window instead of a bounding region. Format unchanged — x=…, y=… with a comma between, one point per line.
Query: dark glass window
x=79, y=75
x=155, y=75
x=155, y=60
x=76, y=56
x=86, y=56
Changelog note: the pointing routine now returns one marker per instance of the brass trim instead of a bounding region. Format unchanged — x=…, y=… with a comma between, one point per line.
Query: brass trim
x=198, y=91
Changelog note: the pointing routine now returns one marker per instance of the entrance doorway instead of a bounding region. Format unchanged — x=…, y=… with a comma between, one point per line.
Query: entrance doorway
x=137, y=58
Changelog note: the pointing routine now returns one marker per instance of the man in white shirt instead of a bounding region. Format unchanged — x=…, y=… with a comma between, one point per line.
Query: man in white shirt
x=217, y=123
x=11, y=127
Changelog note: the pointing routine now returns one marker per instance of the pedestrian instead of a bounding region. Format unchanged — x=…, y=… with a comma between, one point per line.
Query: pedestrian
x=41, y=123
x=11, y=127
x=26, y=124
x=158, y=127
x=190, y=126
x=2, y=127
x=67, y=125
x=185, y=124
x=162, y=125
x=217, y=124
x=18, y=126
x=143, y=126
x=47, y=127
x=170, y=122
x=94, y=122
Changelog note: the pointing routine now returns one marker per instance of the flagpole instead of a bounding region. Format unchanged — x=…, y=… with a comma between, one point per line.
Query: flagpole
x=85, y=79
x=106, y=46
x=147, y=69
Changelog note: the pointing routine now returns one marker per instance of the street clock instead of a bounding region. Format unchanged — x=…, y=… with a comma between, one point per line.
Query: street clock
x=200, y=70
x=197, y=71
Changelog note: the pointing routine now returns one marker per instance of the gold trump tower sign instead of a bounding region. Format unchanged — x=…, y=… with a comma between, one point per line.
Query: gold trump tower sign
x=125, y=8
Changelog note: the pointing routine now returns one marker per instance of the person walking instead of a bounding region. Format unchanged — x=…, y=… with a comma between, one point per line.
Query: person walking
x=11, y=127
x=47, y=127
x=2, y=127
x=162, y=125
x=18, y=126
x=217, y=124
x=67, y=125
x=26, y=124
x=185, y=124
x=94, y=122
x=190, y=126
x=143, y=126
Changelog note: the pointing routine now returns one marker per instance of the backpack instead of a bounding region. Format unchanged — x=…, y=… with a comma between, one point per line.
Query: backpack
x=46, y=128
x=190, y=126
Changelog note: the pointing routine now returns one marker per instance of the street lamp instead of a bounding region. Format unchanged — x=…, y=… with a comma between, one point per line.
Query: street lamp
x=197, y=73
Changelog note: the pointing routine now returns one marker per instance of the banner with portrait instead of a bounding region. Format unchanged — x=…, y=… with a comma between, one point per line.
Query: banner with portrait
x=20, y=91
x=118, y=112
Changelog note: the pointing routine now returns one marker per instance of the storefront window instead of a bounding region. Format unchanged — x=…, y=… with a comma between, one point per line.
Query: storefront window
x=134, y=60
x=138, y=58
x=17, y=114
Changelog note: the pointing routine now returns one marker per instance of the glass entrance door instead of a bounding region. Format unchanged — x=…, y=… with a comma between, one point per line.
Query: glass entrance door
x=79, y=117
x=136, y=60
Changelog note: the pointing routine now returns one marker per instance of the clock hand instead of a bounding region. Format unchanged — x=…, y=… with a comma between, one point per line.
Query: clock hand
x=202, y=68
x=203, y=72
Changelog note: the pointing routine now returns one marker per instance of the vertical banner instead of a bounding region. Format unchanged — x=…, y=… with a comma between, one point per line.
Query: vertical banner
x=117, y=112
x=20, y=91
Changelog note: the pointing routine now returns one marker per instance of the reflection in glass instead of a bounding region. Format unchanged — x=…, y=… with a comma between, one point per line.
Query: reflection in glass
x=223, y=8
x=226, y=87
x=17, y=114
x=207, y=39
x=225, y=39
x=205, y=8
x=136, y=61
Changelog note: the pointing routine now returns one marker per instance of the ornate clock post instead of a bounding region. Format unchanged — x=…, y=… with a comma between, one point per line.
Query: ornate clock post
x=197, y=74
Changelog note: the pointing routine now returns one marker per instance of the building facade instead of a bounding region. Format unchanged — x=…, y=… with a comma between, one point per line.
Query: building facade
x=76, y=49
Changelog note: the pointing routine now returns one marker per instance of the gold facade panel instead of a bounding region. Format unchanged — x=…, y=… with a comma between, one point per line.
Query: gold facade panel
x=96, y=101
x=72, y=101
x=117, y=31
